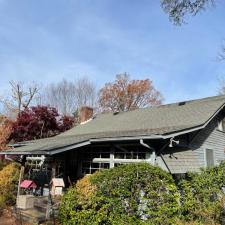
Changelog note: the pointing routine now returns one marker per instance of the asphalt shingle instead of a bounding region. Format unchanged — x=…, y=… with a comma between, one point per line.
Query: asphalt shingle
x=158, y=120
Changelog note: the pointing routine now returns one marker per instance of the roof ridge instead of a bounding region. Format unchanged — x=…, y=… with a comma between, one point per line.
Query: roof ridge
x=187, y=101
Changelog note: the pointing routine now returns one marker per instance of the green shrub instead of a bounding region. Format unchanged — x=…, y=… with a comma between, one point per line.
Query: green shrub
x=202, y=198
x=128, y=194
x=9, y=177
x=2, y=164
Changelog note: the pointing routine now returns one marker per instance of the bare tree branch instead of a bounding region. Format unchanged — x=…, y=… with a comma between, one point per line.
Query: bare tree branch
x=68, y=96
x=20, y=97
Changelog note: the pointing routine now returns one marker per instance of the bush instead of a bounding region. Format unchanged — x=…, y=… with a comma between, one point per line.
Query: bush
x=9, y=177
x=3, y=163
x=202, y=198
x=128, y=194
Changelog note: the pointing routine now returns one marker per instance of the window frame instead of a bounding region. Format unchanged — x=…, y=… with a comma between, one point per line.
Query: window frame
x=205, y=156
x=221, y=125
x=111, y=160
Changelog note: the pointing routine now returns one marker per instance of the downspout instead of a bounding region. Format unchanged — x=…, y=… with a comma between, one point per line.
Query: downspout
x=153, y=156
x=161, y=155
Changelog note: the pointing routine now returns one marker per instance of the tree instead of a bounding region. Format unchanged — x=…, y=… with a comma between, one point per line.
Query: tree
x=9, y=176
x=124, y=94
x=39, y=122
x=67, y=96
x=5, y=131
x=85, y=92
x=179, y=9
x=20, y=98
x=61, y=96
x=221, y=89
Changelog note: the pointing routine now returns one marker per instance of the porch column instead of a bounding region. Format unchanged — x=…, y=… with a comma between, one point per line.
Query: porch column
x=111, y=160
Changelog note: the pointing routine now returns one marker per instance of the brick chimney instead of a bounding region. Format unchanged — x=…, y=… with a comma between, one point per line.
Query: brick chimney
x=86, y=113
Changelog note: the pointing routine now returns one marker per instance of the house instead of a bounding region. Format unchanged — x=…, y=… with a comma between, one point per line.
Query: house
x=178, y=137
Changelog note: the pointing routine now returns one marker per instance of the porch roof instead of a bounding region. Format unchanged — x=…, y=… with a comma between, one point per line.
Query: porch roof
x=159, y=122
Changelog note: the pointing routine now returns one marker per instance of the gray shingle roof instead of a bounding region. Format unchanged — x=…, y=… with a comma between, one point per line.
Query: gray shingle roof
x=160, y=120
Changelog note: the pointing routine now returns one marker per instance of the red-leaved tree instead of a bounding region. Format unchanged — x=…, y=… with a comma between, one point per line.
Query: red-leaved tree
x=39, y=122
x=124, y=94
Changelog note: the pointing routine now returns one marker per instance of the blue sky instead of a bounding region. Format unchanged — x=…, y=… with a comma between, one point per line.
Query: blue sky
x=48, y=40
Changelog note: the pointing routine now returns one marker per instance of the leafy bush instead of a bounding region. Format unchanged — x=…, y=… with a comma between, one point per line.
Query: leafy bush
x=9, y=176
x=128, y=194
x=202, y=195
x=3, y=163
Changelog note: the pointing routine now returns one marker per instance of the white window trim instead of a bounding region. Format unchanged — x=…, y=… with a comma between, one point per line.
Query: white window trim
x=220, y=126
x=205, y=161
x=112, y=160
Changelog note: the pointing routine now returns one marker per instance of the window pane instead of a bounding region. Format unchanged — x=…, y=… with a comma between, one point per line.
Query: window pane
x=119, y=155
x=141, y=155
x=129, y=156
x=96, y=155
x=105, y=155
x=105, y=165
x=209, y=158
x=95, y=165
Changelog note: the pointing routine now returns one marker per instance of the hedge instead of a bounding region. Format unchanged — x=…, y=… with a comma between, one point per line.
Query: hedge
x=128, y=194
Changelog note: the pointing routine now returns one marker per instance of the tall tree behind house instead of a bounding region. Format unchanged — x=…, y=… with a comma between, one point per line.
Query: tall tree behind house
x=67, y=96
x=125, y=94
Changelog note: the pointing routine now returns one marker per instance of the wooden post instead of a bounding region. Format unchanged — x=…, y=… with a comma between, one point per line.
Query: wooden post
x=20, y=178
x=54, y=169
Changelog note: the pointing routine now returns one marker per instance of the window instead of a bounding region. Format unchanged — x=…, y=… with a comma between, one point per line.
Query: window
x=90, y=167
x=96, y=159
x=135, y=154
x=209, y=157
x=221, y=125
x=99, y=154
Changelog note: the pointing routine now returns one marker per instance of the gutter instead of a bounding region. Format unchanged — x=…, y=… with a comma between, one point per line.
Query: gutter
x=153, y=156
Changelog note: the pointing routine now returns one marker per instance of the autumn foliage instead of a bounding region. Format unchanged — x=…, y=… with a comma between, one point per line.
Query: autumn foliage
x=124, y=94
x=9, y=176
x=5, y=131
x=85, y=188
x=39, y=122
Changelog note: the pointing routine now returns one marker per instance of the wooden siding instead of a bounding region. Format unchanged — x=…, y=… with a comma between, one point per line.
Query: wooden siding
x=210, y=138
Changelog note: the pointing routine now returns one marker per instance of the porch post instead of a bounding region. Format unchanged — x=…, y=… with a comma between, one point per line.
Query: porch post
x=111, y=161
x=20, y=178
